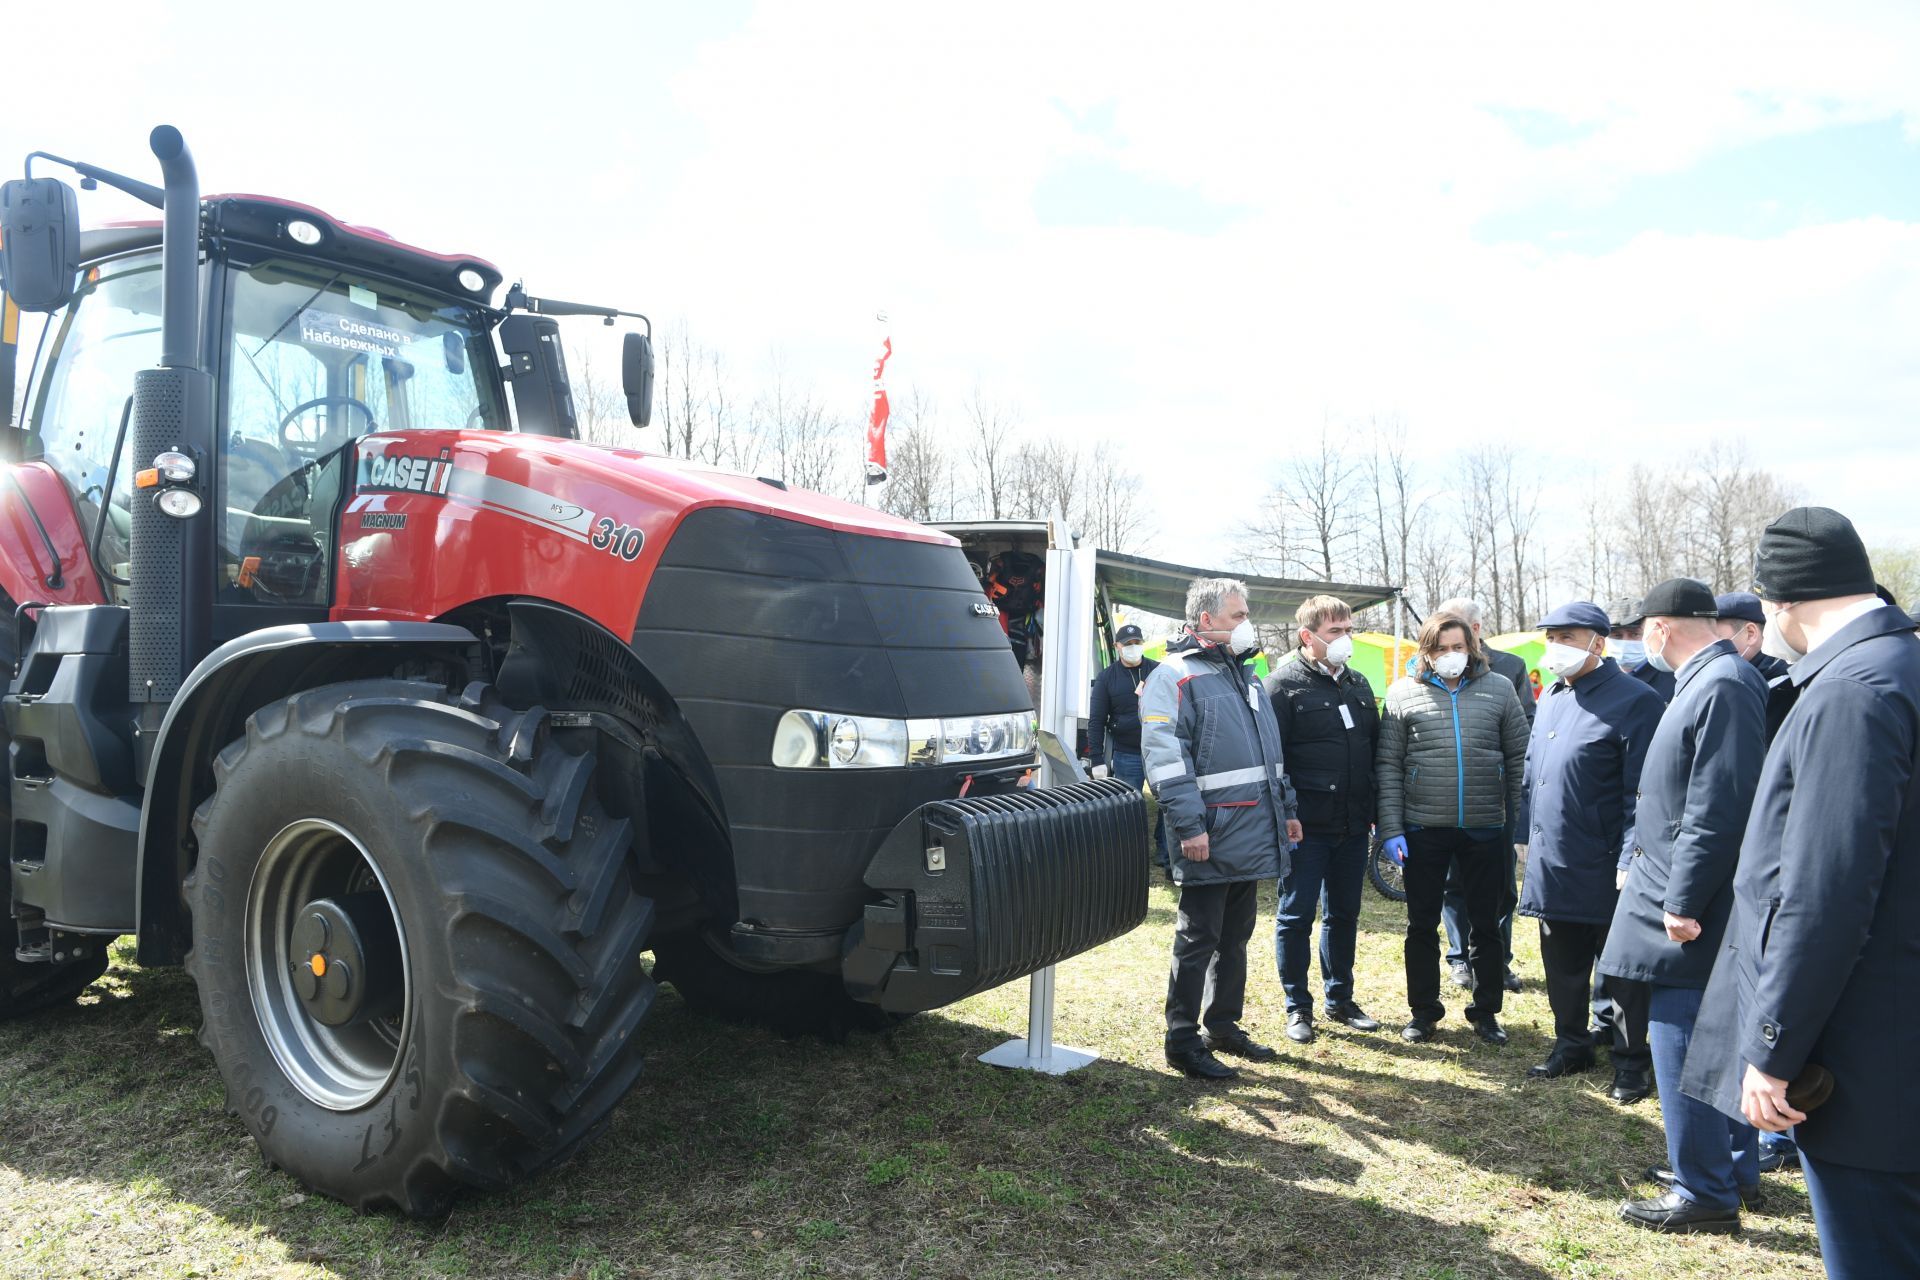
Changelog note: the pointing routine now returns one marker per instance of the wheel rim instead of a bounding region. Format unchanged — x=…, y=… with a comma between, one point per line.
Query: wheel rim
x=307, y=864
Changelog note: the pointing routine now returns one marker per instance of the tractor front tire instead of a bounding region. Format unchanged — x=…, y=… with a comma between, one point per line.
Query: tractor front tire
x=417, y=941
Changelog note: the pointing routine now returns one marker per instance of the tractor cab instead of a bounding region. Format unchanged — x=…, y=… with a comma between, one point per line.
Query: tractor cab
x=316, y=334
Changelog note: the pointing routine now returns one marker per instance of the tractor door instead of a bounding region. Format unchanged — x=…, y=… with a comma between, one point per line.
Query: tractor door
x=316, y=359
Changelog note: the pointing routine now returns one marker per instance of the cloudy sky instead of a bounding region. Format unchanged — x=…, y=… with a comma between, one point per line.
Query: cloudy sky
x=1199, y=230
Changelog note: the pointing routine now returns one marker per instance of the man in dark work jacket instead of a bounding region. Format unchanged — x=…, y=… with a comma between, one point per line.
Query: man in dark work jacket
x=1329, y=724
x=1113, y=715
x=1695, y=789
x=1819, y=966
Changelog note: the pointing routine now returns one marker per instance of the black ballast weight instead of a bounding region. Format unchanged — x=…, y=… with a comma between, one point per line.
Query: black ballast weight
x=980, y=891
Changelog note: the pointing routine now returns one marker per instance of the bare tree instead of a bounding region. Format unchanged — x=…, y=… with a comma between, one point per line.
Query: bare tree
x=1731, y=504
x=1111, y=513
x=1397, y=504
x=992, y=436
x=1309, y=521
x=920, y=480
x=599, y=407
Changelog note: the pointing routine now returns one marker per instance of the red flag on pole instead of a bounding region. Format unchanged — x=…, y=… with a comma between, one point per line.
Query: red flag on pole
x=877, y=418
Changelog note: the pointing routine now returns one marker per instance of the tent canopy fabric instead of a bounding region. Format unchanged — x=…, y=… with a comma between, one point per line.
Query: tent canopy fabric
x=1159, y=586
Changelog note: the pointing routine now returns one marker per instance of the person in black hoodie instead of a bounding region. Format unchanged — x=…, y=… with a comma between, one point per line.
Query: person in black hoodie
x=1113, y=719
x=1329, y=724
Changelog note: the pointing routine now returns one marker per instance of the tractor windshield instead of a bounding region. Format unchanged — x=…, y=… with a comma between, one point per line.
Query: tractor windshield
x=316, y=358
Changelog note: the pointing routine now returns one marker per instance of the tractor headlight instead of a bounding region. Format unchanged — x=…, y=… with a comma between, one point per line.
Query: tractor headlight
x=828, y=740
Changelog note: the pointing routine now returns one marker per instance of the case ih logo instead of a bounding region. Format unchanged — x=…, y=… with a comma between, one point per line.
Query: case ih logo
x=404, y=473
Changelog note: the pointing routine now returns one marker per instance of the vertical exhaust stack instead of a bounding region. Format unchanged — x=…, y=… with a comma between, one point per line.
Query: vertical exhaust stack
x=170, y=621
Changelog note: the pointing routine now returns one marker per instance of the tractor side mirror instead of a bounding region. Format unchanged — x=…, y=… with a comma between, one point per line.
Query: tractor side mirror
x=39, y=242
x=636, y=377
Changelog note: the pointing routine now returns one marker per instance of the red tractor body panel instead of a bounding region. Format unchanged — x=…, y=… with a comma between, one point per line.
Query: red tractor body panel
x=24, y=562
x=439, y=519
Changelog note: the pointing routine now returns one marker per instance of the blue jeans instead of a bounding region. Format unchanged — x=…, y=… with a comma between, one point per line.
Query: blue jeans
x=1326, y=874
x=1869, y=1222
x=1711, y=1155
x=1777, y=1142
x=1128, y=766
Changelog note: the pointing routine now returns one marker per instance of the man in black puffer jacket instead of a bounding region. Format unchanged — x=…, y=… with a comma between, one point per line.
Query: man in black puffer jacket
x=1329, y=724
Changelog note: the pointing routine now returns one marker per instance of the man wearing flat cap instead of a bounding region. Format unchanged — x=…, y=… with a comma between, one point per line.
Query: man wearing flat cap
x=1695, y=790
x=1627, y=645
x=1580, y=792
x=1808, y=1018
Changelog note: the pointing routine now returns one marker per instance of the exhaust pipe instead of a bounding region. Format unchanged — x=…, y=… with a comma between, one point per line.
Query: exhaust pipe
x=170, y=615
x=179, y=251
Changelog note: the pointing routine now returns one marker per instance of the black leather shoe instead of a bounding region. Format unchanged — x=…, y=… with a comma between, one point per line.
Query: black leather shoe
x=1200, y=1064
x=1300, y=1027
x=1775, y=1159
x=1419, y=1031
x=1749, y=1196
x=1560, y=1063
x=1512, y=981
x=1349, y=1014
x=1462, y=975
x=1240, y=1045
x=1490, y=1030
x=1630, y=1084
x=1674, y=1212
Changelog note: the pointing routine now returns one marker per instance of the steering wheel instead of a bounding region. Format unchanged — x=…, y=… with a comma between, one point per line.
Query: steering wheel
x=302, y=448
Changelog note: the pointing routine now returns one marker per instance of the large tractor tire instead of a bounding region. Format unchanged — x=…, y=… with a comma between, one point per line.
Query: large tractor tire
x=793, y=1002
x=417, y=941
x=29, y=986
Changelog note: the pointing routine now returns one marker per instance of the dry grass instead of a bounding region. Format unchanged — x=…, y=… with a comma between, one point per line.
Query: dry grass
x=743, y=1155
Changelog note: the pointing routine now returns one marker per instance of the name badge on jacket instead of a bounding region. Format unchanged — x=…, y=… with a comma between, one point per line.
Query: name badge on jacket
x=1346, y=715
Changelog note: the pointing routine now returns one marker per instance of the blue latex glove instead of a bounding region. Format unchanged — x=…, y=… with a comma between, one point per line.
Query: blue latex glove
x=1396, y=848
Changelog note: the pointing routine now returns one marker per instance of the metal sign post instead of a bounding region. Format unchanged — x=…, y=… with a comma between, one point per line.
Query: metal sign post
x=1066, y=672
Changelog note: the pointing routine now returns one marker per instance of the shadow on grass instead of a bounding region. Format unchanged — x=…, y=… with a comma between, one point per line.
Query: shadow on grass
x=743, y=1154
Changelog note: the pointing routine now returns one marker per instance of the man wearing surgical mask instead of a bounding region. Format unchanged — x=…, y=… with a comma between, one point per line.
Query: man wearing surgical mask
x=1581, y=790
x=1113, y=717
x=1626, y=645
x=1329, y=724
x=1212, y=749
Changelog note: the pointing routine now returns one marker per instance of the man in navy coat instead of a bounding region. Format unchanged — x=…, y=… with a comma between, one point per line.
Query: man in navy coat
x=1581, y=787
x=1695, y=790
x=1821, y=967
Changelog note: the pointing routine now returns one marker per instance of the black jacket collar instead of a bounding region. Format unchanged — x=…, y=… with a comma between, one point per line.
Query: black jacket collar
x=1698, y=662
x=1883, y=621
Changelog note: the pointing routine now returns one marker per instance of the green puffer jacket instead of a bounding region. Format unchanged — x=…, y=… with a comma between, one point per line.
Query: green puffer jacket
x=1450, y=759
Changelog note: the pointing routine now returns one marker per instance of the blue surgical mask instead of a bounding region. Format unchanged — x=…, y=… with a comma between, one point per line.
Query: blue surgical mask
x=1628, y=653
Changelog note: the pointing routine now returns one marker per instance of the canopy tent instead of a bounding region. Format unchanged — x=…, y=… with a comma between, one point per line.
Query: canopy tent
x=1159, y=586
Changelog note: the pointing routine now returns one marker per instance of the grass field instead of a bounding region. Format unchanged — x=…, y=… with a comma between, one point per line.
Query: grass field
x=740, y=1154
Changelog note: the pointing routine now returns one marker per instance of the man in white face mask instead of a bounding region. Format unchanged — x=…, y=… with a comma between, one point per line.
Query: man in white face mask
x=1113, y=717
x=1212, y=749
x=1627, y=645
x=1582, y=782
x=1329, y=724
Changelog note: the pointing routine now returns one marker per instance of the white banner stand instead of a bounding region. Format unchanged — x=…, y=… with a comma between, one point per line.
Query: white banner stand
x=1066, y=673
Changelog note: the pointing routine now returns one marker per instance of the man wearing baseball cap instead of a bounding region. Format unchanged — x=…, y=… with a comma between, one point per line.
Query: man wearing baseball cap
x=1695, y=790
x=1580, y=790
x=1808, y=1018
x=1113, y=715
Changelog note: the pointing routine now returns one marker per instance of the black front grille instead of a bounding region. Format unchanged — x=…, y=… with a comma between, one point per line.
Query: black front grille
x=981, y=891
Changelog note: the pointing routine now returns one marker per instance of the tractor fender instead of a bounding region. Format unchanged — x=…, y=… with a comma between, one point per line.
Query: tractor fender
x=211, y=710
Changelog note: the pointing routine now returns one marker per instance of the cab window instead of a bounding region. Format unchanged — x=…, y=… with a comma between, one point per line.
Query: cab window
x=318, y=359
x=109, y=332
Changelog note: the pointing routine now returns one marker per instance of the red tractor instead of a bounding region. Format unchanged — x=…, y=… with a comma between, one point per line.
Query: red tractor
x=346, y=676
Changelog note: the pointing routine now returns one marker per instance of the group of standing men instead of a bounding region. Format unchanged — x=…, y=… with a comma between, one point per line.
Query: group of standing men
x=1729, y=832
